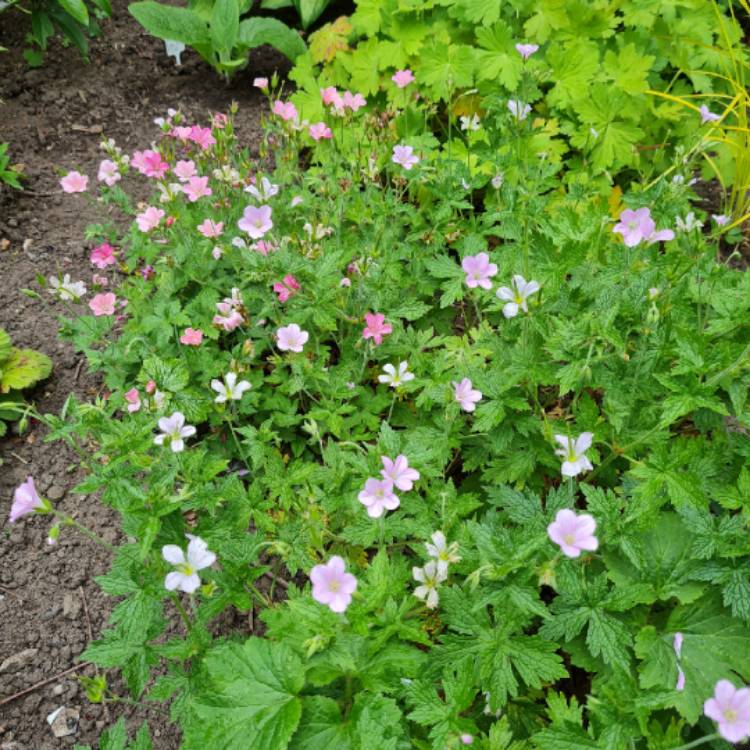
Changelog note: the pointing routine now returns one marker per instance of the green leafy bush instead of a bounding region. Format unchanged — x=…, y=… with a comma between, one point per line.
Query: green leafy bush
x=587, y=82
x=8, y=173
x=19, y=369
x=217, y=31
x=285, y=339
x=73, y=20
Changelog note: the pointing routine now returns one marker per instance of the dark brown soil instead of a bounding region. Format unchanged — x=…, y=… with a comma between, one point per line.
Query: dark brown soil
x=54, y=118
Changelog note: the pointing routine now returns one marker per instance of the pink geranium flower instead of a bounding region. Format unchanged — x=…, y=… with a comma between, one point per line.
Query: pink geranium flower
x=149, y=219
x=291, y=338
x=196, y=188
x=320, y=130
x=377, y=497
x=256, y=221
x=285, y=110
x=201, y=137
x=220, y=120
x=399, y=472
x=210, y=228
x=74, y=182
x=260, y=83
x=286, y=288
x=573, y=533
x=108, y=173
x=330, y=95
x=478, y=270
x=526, y=50
x=192, y=337
x=402, y=78
x=707, y=115
x=332, y=585
x=230, y=321
x=98, y=280
x=184, y=170
x=730, y=709
x=376, y=327
x=466, y=395
x=134, y=400
x=150, y=163
x=103, y=255
x=404, y=156
x=353, y=101
x=25, y=500
x=103, y=304
x=637, y=226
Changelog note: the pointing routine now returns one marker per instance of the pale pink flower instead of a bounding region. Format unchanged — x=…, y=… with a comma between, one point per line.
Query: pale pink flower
x=74, y=182
x=478, y=270
x=377, y=497
x=217, y=252
x=399, y=472
x=192, y=337
x=210, y=228
x=25, y=500
x=404, y=156
x=677, y=645
x=345, y=281
x=291, y=338
x=516, y=295
x=181, y=132
x=260, y=83
x=196, y=188
x=519, y=109
x=467, y=739
x=730, y=709
x=149, y=219
x=202, y=137
x=98, y=280
x=332, y=585
x=150, y=386
x=330, y=95
x=353, y=101
x=152, y=164
x=103, y=255
x=637, y=226
x=295, y=201
x=526, y=50
x=185, y=577
x=285, y=110
x=266, y=190
x=264, y=247
x=230, y=321
x=466, y=395
x=220, y=120
x=256, y=221
x=320, y=130
x=103, y=304
x=402, y=78
x=286, y=288
x=376, y=327
x=174, y=431
x=680, y=684
x=134, y=400
x=573, y=533
x=720, y=219
x=707, y=115
x=184, y=170
x=108, y=173
x=574, y=453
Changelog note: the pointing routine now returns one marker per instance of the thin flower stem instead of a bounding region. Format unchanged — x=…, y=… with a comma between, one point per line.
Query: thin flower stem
x=390, y=411
x=70, y=521
x=181, y=610
x=695, y=743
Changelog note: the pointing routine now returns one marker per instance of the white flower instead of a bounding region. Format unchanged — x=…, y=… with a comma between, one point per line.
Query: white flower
x=430, y=577
x=517, y=295
x=573, y=451
x=229, y=389
x=443, y=552
x=720, y=219
x=688, y=223
x=318, y=231
x=497, y=181
x=470, y=123
x=174, y=430
x=518, y=109
x=168, y=192
x=394, y=378
x=66, y=289
x=185, y=577
x=267, y=190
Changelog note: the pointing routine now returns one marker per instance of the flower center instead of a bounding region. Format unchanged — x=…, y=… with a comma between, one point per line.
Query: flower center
x=632, y=225
x=569, y=539
x=730, y=715
x=334, y=586
x=186, y=569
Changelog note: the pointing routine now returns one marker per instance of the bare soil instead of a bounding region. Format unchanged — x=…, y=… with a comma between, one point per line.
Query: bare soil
x=54, y=118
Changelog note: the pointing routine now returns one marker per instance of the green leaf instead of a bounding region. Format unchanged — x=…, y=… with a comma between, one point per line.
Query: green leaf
x=24, y=368
x=77, y=9
x=5, y=346
x=628, y=69
x=257, y=31
x=246, y=697
x=166, y=22
x=321, y=727
x=309, y=10
x=446, y=67
x=225, y=25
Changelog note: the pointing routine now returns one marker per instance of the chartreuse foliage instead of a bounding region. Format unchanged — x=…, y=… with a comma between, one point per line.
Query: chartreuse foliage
x=217, y=31
x=587, y=83
x=645, y=347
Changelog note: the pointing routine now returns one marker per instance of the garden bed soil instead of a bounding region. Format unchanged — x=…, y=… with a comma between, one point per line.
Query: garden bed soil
x=54, y=119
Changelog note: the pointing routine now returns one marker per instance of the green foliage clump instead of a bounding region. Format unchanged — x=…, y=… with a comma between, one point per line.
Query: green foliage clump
x=8, y=173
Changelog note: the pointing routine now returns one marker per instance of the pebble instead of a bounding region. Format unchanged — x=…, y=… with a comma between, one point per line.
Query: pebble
x=63, y=721
x=18, y=661
x=71, y=606
x=58, y=689
x=55, y=492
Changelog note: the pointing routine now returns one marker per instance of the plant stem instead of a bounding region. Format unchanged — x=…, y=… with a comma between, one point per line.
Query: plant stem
x=70, y=521
x=695, y=743
x=181, y=610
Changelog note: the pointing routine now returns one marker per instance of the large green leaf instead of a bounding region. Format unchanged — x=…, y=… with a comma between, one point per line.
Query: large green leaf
x=225, y=25
x=165, y=22
x=23, y=368
x=247, y=697
x=257, y=31
x=5, y=346
x=77, y=9
x=310, y=10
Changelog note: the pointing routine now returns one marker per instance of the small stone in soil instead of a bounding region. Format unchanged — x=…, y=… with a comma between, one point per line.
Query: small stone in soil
x=63, y=721
x=18, y=661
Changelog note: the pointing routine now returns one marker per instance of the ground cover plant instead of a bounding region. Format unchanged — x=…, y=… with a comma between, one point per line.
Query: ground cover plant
x=483, y=428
